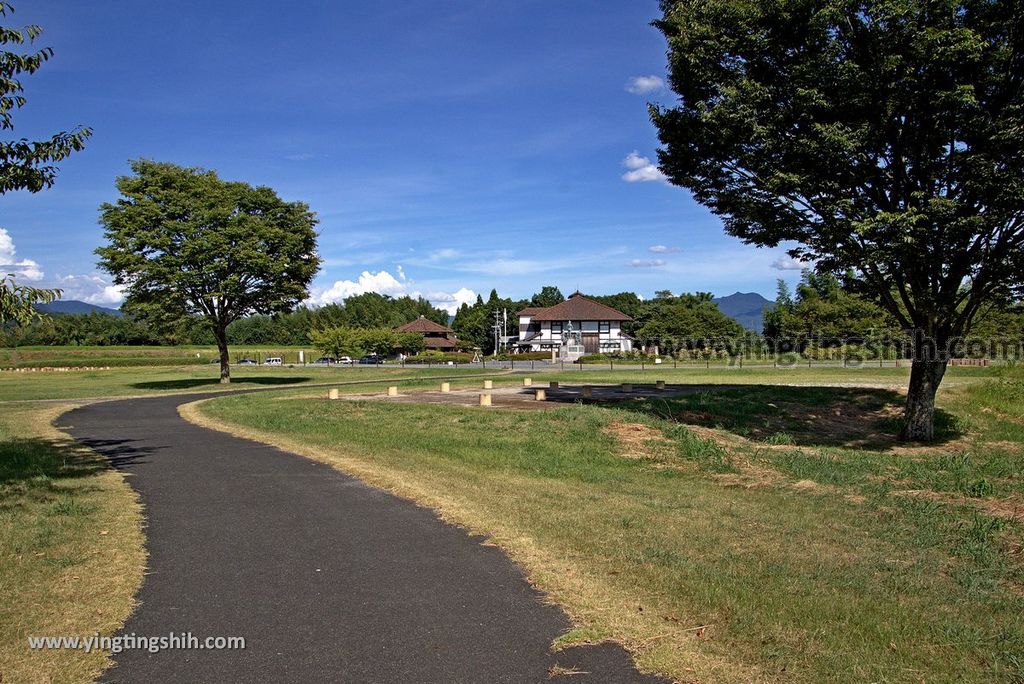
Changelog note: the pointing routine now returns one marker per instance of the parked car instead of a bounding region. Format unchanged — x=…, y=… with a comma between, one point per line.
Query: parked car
x=325, y=361
x=273, y=361
x=345, y=360
x=246, y=362
x=372, y=359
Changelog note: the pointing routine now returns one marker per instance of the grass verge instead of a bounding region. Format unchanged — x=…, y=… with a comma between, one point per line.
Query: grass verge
x=71, y=547
x=713, y=552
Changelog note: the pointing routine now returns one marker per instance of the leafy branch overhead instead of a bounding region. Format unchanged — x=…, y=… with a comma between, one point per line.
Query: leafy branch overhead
x=27, y=164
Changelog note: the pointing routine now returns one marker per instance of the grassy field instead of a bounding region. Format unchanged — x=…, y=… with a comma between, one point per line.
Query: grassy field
x=767, y=533
x=142, y=381
x=71, y=554
x=86, y=356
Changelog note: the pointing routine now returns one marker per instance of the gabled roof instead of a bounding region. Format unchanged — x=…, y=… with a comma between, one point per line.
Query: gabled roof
x=579, y=308
x=531, y=311
x=423, y=325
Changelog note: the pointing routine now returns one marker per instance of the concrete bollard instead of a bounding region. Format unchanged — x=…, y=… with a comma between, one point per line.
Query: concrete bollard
x=627, y=387
x=527, y=382
x=553, y=384
x=393, y=391
x=485, y=398
x=588, y=391
x=446, y=387
x=332, y=394
x=488, y=384
x=661, y=384
x=541, y=395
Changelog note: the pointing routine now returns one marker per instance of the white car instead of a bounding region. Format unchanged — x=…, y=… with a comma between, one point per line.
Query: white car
x=345, y=360
x=273, y=361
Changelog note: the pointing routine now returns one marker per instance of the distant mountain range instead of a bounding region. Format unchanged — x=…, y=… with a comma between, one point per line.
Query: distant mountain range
x=73, y=306
x=746, y=308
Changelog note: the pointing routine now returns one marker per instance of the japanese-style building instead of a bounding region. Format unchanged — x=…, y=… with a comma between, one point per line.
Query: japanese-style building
x=435, y=336
x=597, y=327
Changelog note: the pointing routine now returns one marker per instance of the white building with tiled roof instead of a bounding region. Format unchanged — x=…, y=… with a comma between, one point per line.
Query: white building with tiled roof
x=598, y=327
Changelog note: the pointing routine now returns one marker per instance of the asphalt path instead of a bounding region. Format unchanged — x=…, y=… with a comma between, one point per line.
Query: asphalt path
x=326, y=578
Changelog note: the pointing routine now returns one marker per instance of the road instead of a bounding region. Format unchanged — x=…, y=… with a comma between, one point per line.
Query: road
x=326, y=578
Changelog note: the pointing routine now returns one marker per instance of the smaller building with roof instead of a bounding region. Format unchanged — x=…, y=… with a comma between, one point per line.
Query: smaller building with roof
x=435, y=336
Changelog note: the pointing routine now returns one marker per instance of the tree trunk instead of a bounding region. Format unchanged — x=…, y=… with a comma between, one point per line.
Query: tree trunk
x=225, y=361
x=925, y=376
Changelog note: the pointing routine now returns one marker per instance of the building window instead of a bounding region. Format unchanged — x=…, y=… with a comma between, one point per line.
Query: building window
x=604, y=326
x=556, y=328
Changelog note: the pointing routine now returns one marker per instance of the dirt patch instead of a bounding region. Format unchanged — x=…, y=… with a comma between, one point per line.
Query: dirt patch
x=639, y=441
x=1009, y=508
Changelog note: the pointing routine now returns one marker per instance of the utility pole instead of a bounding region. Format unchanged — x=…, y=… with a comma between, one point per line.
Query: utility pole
x=500, y=329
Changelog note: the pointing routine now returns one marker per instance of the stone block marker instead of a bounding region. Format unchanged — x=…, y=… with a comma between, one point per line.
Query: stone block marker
x=553, y=384
x=488, y=384
x=485, y=398
x=527, y=382
x=332, y=394
x=627, y=387
x=541, y=395
x=661, y=384
x=393, y=391
x=588, y=391
x=446, y=387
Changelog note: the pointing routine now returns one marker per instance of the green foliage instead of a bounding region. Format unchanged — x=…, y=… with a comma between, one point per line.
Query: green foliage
x=341, y=341
x=824, y=314
x=474, y=324
x=27, y=165
x=689, y=321
x=882, y=138
x=434, y=356
x=549, y=295
x=17, y=302
x=626, y=302
x=184, y=242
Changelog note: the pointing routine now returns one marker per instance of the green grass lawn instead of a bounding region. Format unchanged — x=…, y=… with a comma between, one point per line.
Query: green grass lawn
x=89, y=356
x=71, y=547
x=750, y=534
x=141, y=381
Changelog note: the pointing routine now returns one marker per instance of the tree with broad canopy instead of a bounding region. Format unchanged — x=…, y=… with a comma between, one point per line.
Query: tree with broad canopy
x=184, y=242
x=882, y=136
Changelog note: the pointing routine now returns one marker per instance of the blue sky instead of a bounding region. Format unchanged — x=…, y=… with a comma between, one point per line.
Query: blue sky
x=448, y=148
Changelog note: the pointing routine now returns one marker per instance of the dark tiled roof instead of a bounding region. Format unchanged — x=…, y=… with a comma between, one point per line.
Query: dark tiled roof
x=579, y=308
x=423, y=325
x=531, y=311
x=439, y=343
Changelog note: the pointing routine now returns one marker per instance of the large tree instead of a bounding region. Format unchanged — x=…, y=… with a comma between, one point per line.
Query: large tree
x=184, y=242
x=883, y=136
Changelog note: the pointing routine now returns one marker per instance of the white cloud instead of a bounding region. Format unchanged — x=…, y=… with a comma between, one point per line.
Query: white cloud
x=645, y=85
x=382, y=282
x=788, y=264
x=92, y=288
x=641, y=169
x=25, y=268
x=647, y=263
x=664, y=249
x=451, y=302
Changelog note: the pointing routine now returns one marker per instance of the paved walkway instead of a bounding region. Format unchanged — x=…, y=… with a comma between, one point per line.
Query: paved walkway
x=328, y=580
